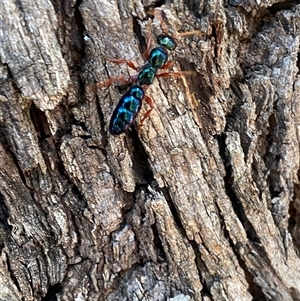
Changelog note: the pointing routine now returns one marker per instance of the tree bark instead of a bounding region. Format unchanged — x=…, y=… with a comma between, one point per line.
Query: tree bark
x=201, y=203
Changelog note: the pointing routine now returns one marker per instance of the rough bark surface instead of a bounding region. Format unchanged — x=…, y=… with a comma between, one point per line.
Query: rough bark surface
x=201, y=203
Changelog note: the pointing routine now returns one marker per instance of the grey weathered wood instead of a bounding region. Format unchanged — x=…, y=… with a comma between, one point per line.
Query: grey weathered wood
x=201, y=203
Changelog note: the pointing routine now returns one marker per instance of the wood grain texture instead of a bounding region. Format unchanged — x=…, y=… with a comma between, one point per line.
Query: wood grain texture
x=201, y=203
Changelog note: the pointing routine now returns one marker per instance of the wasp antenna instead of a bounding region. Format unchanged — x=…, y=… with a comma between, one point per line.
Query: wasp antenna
x=149, y=41
x=159, y=17
x=189, y=33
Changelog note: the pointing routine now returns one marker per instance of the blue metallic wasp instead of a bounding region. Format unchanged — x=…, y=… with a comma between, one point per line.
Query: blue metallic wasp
x=130, y=104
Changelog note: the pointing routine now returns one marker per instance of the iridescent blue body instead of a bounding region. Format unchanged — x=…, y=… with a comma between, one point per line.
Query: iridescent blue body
x=146, y=75
x=158, y=57
x=166, y=41
x=126, y=110
x=130, y=104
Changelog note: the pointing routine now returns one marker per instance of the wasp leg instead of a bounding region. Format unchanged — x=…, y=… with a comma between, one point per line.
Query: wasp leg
x=123, y=61
x=150, y=102
x=167, y=65
x=116, y=79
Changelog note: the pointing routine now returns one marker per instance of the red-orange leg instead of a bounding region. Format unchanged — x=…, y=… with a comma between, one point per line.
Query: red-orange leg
x=167, y=65
x=150, y=102
x=116, y=79
x=123, y=61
